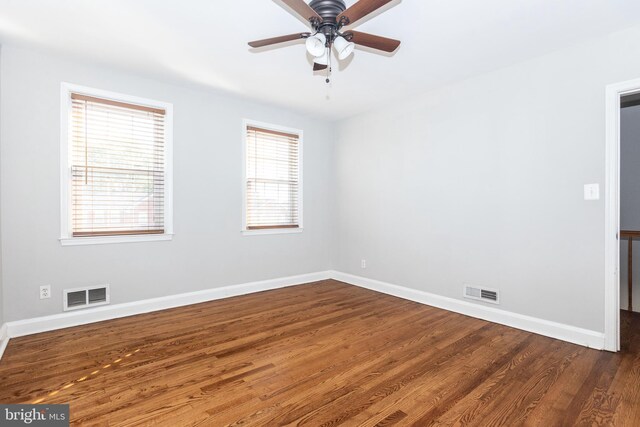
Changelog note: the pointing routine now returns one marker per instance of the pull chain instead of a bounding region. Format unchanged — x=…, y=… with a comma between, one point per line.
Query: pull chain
x=328, y=65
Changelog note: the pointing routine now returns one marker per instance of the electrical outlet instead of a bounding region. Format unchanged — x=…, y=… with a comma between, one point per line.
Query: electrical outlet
x=45, y=292
x=363, y=263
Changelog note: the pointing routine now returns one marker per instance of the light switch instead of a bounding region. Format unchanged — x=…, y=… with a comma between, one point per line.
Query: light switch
x=592, y=192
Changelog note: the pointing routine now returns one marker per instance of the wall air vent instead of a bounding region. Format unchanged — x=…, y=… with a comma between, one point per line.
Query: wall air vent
x=482, y=294
x=92, y=296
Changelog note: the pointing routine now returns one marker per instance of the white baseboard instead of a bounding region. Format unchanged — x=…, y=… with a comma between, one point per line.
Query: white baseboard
x=4, y=339
x=547, y=328
x=584, y=337
x=82, y=317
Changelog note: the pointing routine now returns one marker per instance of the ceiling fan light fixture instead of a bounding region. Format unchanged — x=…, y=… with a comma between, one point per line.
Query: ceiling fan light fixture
x=316, y=44
x=322, y=59
x=343, y=47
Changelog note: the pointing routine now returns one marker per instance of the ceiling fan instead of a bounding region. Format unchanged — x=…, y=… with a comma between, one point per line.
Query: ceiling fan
x=326, y=19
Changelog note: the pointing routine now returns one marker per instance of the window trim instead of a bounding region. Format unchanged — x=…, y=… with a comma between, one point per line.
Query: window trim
x=267, y=231
x=66, y=238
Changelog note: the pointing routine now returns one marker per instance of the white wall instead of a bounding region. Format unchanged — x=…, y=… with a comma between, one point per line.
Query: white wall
x=630, y=199
x=207, y=251
x=481, y=183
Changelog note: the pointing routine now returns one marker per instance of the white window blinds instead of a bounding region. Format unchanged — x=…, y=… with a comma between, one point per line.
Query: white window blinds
x=117, y=168
x=272, y=178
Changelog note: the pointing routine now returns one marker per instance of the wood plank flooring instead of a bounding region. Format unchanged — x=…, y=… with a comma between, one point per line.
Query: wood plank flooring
x=322, y=354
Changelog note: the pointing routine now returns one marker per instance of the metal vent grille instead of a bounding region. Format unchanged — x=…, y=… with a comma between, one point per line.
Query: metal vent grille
x=482, y=294
x=97, y=295
x=77, y=298
x=491, y=295
x=85, y=297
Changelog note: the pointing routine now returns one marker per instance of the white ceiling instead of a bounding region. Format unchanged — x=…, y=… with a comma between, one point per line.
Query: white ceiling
x=203, y=42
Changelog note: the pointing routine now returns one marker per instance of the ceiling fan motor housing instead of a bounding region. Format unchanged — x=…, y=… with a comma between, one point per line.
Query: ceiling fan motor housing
x=328, y=9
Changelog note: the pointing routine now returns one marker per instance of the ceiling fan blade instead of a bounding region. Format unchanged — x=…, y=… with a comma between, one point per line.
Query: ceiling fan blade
x=372, y=41
x=276, y=40
x=303, y=10
x=319, y=67
x=360, y=10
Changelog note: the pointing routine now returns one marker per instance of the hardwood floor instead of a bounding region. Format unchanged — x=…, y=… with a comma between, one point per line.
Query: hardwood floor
x=321, y=354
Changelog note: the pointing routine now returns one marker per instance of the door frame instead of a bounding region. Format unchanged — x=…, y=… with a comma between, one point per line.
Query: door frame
x=614, y=93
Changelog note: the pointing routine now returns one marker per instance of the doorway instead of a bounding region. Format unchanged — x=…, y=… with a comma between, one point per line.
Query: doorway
x=622, y=218
x=629, y=214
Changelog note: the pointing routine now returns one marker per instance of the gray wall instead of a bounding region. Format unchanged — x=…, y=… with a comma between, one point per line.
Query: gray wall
x=630, y=199
x=208, y=249
x=481, y=183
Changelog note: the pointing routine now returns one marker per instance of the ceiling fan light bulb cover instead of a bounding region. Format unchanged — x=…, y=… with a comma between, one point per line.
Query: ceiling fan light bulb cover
x=322, y=59
x=343, y=47
x=316, y=44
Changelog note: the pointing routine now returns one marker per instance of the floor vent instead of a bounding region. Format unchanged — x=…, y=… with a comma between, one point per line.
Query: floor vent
x=77, y=298
x=482, y=294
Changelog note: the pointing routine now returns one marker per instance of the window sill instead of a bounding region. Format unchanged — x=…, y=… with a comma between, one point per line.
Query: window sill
x=271, y=231
x=105, y=240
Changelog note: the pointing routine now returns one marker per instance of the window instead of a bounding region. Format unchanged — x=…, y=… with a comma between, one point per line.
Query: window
x=116, y=179
x=273, y=177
